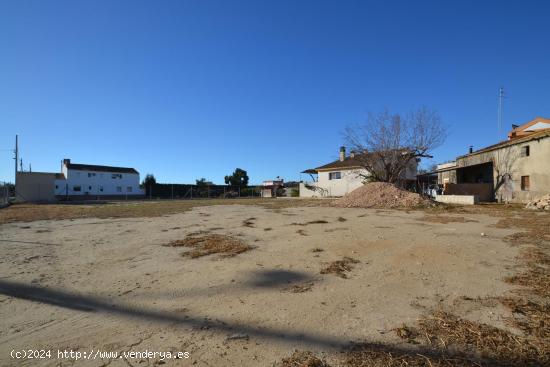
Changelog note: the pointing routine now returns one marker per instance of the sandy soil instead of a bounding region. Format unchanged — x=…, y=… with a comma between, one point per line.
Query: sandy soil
x=110, y=284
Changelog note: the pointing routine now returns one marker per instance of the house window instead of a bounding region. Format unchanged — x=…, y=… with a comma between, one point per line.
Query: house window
x=91, y=174
x=119, y=189
x=334, y=175
x=101, y=188
x=129, y=189
x=77, y=188
x=525, y=151
x=525, y=184
x=116, y=175
x=89, y=187
x=56, y=187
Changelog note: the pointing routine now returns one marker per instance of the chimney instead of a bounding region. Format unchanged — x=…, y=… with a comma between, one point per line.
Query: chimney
x=342, y=153
x=471, y=149
x=66, y=161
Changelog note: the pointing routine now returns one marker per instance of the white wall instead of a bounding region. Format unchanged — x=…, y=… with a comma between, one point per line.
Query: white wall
x=98, y=183
x=349, y=181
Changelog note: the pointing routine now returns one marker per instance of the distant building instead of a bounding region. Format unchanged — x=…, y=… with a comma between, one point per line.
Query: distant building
x=270, y=187
x=79, y=182
x=517, y=169
x=342, y=176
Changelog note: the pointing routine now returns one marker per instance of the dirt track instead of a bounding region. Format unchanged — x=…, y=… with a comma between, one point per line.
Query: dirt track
x=110, y=284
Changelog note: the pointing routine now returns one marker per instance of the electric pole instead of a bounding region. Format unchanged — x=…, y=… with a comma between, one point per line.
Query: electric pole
x=500, y=96
x=16, y=158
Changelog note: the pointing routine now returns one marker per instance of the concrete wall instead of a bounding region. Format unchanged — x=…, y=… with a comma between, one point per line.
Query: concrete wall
x=457, y=199
x=35, y=186
x=482, y=191
x=93, y=183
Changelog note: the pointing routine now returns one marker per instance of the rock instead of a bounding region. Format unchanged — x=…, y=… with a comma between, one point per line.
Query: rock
x=542, y=203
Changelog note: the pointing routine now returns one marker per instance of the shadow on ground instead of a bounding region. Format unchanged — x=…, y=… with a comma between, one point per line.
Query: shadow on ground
x=276, y=278
x=356, y=355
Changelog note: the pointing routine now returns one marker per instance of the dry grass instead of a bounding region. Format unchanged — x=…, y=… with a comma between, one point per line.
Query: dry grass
x=205, y=245
x=303, y=359
x=299, y=288
x=319, y=221
x=249, y=222
x=445, y=219
x=133, y=209
x=537, y=275
x=340, y=267
x=443, y=330
x=379, y=355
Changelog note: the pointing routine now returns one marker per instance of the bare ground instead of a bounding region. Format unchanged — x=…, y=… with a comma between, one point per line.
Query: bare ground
x=103, y=277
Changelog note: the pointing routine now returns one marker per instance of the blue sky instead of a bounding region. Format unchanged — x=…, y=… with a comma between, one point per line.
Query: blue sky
x=190, y=89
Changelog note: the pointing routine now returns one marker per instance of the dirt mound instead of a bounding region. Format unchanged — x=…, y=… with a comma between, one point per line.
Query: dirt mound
x=381, y=195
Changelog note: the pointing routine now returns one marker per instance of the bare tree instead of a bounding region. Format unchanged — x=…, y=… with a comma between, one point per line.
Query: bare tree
x=388, y=143
x=504, y=166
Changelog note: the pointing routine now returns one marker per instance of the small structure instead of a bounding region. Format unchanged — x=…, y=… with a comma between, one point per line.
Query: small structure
x=514, y=170
x=343, y=176
x=270, y=187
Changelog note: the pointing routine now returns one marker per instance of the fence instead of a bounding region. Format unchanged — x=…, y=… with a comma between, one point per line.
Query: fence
x=186, y=191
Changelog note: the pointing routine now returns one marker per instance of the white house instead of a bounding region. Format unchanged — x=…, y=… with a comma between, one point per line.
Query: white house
x=341, y=176
x=93, y=181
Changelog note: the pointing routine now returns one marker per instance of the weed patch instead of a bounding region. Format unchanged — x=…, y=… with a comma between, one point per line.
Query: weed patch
x=340, y=267
x=226, y=246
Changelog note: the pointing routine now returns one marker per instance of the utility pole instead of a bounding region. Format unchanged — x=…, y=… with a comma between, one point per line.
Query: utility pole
x=500, y=96
x=16, y=151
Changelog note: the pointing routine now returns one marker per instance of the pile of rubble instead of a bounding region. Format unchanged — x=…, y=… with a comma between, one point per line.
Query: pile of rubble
x=542, y=203
x=381, y=195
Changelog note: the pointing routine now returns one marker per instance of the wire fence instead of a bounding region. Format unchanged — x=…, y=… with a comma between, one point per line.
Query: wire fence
x=185, y=191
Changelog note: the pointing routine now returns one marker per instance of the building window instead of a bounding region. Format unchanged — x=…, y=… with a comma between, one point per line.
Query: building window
x=89, y=187
x=334, y=175
x=101, y=188
x=129, y=189
x=56, y=187
x=91, y=174
x=116, y=175
x=525, y=151
x=119, y=189
x=525, y=184
x=77, y=188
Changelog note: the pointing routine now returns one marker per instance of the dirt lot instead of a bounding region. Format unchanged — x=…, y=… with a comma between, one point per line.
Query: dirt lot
x=246, y=284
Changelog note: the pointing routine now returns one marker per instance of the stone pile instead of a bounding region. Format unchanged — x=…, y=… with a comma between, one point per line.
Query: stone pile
x=542, y=203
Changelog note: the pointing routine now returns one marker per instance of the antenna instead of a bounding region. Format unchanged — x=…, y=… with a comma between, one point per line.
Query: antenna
x=500, y=97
